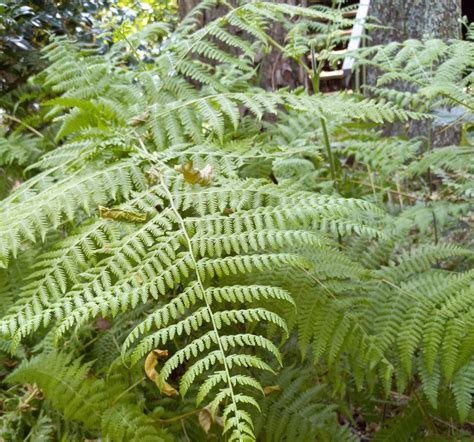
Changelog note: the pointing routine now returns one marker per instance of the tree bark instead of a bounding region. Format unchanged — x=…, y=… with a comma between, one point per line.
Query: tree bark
x=416, y=19
x=275, y=70
x=184, y=6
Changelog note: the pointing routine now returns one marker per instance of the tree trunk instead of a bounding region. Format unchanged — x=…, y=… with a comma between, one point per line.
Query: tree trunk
x=416, y=19
x=275, y=70
x=185, y=6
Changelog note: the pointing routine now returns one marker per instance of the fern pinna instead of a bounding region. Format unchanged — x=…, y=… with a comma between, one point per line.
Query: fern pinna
x=174, y=213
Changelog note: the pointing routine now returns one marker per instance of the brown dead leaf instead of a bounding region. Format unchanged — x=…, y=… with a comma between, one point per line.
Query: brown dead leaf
x=150, y=364
x=102, y=323
x=205, y=419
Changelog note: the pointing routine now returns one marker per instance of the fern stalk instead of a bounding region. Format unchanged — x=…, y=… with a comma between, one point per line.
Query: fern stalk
x=329, y=152
x=316, y=71
x=208, y=306
x=315, y=80
x=30, y=128
x=429, y=149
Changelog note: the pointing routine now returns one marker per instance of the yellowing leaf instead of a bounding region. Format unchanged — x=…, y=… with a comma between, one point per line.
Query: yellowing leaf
x=195, y=176
x=122, y=215
x=271, y=389
x=150, y=364
x=139, y=278
x=138, y=120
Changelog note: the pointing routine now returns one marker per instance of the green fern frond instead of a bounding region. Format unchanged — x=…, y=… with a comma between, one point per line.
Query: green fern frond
x=299, y=409
x=51, y=202
x=94, y=402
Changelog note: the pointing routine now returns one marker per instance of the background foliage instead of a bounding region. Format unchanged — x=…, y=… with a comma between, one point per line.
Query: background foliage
x=26, y=27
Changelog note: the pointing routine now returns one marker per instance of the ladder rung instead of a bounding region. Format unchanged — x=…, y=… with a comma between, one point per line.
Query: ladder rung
x=350, y=14
x=339, y=52
x=332, y=75
x=345, y=32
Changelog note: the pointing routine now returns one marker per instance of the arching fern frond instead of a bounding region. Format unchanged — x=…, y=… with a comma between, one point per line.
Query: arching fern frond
x=184, y=245
x=100, y=405
x=54, y=200
x=298, y=409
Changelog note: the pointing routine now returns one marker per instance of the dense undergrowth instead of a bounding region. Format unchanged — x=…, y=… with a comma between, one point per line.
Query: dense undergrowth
x=185, y=256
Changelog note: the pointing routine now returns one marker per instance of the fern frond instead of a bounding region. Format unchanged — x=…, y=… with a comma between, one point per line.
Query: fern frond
x=300, y=410
x=66, y=384
x=52, y=203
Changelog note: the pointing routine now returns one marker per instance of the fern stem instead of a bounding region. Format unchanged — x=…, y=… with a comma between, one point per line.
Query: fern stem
x=128, y=389
x=174, y=419
x=194, y=101
x=208, y=306
x=282, y=50
x=329, y=152
x=385, y=189
x=429, y=148
x=318, y=281
x=316, y=72
x=30, y=397
x=185, y=432
x=435, y=227
x=130, y=44
x=315, y=80
x=391, y=284
x=372, y=184
x=426, y=414
x=461, y=103
x=227, y=4
x=399, y=193
x=17, y=120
